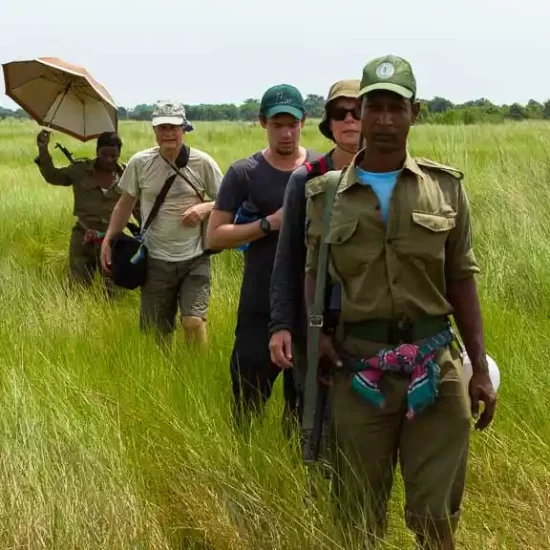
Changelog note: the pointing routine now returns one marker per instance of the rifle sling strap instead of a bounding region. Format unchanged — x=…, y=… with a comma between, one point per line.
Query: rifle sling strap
x=316, y=316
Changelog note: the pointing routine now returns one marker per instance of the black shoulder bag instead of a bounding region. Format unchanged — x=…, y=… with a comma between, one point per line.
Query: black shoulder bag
x=128, y=253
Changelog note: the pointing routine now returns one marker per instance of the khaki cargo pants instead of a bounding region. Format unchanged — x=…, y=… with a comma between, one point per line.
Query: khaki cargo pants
x=432, y=449
x=171, y=284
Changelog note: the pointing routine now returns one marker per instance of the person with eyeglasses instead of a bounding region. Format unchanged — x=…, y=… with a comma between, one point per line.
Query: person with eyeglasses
x=288, y=326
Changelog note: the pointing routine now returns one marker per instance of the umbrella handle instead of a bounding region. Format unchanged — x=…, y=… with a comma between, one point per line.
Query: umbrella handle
x=67, y=88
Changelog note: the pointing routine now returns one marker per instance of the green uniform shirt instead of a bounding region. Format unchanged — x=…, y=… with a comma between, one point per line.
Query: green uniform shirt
x=92, y=204
x=401, y=269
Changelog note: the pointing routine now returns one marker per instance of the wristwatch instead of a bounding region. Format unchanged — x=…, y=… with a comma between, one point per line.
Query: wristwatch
x=265, y=226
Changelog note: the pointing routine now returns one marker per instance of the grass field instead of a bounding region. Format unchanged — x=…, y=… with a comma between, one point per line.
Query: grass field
x=108, y=442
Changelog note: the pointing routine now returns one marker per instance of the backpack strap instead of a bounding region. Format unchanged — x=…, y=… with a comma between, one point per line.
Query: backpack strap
x=322, y=162
x=317, y=167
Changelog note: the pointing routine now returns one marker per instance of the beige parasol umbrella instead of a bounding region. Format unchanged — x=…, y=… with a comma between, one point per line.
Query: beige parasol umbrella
x=61, y=96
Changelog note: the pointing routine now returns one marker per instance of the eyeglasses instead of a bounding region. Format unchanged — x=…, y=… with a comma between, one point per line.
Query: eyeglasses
x=340, y=113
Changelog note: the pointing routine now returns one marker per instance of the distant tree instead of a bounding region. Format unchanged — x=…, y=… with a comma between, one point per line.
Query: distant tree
x=439, y=105
x=250, y=109
x=423, y=113
x=517, y=112
x=482, y=103
x=437, y=110
x=315, y=105
x=142, y=112
x=534, y=109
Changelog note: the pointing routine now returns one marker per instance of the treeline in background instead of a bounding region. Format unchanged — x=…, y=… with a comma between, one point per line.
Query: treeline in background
x=434, y=111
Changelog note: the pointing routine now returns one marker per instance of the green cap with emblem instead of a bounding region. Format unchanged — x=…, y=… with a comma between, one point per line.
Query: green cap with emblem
x=390, y=73
x=282, y=98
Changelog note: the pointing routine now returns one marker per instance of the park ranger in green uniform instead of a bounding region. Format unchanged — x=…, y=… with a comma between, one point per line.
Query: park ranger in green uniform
x=95, y=190
x=400, y=244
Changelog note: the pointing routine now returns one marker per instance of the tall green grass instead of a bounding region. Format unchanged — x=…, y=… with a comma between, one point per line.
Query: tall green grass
x=109, y=441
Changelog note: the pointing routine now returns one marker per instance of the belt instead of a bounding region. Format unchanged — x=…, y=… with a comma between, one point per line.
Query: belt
x=396, y=332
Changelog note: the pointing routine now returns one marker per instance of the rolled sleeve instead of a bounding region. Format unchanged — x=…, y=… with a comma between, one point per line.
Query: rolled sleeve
x=233, y=190
x=129, y=181
x=212, y=176
x=460, y=258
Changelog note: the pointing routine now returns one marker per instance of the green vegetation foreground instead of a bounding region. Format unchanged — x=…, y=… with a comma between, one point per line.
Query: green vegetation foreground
x=107, y=442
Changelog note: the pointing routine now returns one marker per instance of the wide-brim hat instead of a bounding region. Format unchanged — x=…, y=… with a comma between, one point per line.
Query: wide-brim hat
x=342, y=88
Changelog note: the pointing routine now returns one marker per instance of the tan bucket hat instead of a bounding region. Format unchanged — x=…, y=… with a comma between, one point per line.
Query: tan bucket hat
x=342, y=88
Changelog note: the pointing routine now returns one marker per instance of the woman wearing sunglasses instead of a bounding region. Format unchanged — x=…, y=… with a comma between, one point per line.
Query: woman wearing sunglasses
x=340, y=124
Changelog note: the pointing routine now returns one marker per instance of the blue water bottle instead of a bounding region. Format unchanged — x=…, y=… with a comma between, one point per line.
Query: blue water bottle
x=247, y=213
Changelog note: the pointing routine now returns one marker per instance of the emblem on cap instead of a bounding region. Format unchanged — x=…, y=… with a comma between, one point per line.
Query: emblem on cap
x=385, y=70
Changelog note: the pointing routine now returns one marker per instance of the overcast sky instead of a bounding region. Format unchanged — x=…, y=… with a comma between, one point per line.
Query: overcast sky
x=213, y=51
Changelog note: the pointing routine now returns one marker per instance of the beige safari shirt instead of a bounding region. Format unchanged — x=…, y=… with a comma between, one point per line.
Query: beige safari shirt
x=92, y=204
x=167, y=239
x=401, y=269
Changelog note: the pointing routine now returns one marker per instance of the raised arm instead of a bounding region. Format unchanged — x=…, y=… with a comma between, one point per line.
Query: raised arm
x=54, y=176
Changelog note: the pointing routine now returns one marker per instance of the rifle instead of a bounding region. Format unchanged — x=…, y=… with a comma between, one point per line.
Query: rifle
x=66, y=152
x=316, y=392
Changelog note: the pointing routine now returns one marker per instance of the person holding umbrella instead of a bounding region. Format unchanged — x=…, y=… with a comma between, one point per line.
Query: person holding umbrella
x=65, y=97
x=95, y=191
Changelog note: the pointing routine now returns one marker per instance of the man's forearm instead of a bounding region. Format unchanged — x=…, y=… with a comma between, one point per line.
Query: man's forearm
x=231, y=235
x=120, y=216
x=208, y=206
x=464, y=299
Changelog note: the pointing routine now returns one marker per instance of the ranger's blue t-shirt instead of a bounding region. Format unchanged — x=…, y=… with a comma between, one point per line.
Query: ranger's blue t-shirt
x=382, y=184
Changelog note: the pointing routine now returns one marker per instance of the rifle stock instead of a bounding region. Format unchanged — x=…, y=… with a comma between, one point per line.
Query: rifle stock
x=313, y=431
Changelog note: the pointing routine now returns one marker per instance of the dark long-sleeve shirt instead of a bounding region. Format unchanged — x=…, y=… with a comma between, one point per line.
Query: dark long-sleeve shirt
x=93, y=205
x=288, y=310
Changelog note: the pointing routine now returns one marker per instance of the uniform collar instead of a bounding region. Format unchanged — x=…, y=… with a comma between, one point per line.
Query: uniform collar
x=89, y=168
x=350, y=176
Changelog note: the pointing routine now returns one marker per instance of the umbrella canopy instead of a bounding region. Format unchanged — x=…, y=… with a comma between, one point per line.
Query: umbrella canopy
x=61, y=96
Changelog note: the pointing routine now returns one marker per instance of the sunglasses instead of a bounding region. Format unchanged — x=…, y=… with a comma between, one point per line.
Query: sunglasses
x=340, y=113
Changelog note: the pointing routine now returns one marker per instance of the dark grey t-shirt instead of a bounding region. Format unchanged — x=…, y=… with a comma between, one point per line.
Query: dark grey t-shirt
x=256, y=180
